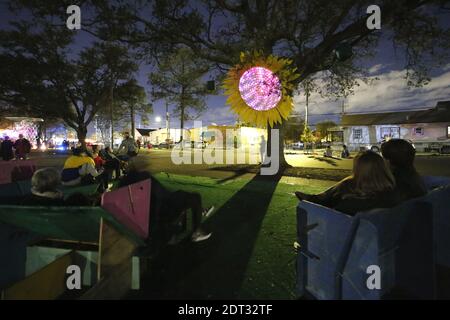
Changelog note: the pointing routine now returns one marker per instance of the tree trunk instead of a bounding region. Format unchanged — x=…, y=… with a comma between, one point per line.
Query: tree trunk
x=81, y=134
x=279, y=126
x=133, y=125
x=40, y=135
x=181, y=123
x=111, y=114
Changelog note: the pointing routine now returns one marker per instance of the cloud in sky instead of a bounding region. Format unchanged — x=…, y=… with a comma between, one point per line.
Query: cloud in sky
x=388, y=93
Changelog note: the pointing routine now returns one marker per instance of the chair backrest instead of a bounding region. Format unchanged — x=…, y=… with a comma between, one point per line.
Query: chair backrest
x=440, y=201
x=130, y=205
x=323, y=234
x=5, y=172
x=9, y=190
x=400, y=242
x=432, y=182
x=23, y=170
x=11, y=171
x=13, y=253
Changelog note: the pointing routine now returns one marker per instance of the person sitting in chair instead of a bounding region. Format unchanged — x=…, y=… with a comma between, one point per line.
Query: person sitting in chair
x=370, y=186
x=44, y=191
x=129, y=146
x=112, y=162
x=400, y=154
x=168, y=208
x=345, y=153
x=328, y=152
x=80, y=169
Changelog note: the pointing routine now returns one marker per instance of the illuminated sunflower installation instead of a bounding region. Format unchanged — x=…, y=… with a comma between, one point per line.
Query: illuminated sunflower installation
x=259, y=89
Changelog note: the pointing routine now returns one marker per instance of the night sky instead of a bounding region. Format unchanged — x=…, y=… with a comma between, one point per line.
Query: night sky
x=388, y=93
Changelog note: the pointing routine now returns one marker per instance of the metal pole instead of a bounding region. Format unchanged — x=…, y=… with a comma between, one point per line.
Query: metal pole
x=167, y=122
x=306, y=106
x=111, y=114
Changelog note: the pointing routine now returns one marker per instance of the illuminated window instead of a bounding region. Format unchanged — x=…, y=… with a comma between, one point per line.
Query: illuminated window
x=390, y=132
x=357, y=134
x=448, y=131
x=418, y=131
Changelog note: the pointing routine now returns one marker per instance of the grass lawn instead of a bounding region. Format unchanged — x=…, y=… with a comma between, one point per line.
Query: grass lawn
x=250, y=254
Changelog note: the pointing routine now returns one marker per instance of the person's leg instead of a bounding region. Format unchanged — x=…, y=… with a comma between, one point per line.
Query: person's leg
x=180, y=202
x=116, y=167
x=111, y=166
x=88, y=168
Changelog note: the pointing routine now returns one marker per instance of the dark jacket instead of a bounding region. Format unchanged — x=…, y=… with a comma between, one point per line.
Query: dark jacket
x=7, y=150
x=35, y=200
x=341, y=198
x=409, y=183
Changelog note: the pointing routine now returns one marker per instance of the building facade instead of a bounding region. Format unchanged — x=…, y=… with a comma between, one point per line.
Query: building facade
x=427, y=129
x=205, y=135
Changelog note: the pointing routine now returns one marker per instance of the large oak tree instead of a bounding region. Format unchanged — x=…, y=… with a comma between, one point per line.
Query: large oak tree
x=310, y=32
x=40, y=75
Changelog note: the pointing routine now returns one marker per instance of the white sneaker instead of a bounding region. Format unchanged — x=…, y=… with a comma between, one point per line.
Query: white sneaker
x=200, y=236
x=173, y=241
x=207, y=212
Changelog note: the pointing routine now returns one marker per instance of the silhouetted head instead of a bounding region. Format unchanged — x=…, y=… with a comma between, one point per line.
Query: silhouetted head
x=78, y=152
x=399, y=152
x=126, y=135
x=45, y=180
x=371, y=175
x=20, y=136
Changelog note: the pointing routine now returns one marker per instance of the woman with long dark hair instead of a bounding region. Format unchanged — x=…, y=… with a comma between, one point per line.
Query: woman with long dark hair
x=371, y=185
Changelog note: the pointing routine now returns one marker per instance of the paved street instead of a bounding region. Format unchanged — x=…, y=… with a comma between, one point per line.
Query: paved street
x=160, y=160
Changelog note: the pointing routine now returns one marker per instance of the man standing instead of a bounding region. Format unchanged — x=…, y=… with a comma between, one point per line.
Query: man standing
x=263, y=150
x=23, y=147
x=7, y=149
x=129, y=145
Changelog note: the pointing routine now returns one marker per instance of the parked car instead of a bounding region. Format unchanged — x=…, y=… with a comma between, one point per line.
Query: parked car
x=297, y=145
x=164, y=145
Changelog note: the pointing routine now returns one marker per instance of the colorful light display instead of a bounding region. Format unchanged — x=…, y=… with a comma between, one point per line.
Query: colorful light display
x=260, y=88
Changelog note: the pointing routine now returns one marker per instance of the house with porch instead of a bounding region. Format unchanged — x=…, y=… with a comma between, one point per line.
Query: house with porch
x=428, y=130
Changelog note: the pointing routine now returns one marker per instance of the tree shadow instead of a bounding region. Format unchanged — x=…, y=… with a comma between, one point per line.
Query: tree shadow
x=329, y=160
x=214, y=269
x=237, y=173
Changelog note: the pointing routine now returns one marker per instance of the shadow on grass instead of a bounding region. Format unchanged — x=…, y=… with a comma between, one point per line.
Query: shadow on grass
x=214, y=269
x=329, y=160
x=237, y=173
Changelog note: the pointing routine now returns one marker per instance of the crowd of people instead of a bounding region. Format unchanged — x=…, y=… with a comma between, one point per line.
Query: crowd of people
x=18, y=149
x=378, y=181
x=85, y=167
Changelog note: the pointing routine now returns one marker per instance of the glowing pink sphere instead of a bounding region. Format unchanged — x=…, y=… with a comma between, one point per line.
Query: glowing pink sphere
x=260, y=88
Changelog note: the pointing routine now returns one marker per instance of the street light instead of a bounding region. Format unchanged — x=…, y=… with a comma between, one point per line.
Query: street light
x=158, y=119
